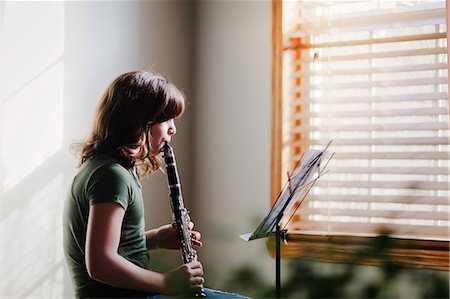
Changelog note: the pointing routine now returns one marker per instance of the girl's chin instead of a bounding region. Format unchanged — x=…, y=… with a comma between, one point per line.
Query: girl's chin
x=155, y=153
x=158, y=150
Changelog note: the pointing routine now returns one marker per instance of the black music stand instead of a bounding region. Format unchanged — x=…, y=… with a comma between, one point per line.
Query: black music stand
x=300, y=181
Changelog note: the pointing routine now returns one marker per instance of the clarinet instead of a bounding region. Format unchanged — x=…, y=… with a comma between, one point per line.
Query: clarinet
x=180, y=214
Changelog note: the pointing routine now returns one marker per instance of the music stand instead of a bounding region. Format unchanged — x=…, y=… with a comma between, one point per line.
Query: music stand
x=303, y=176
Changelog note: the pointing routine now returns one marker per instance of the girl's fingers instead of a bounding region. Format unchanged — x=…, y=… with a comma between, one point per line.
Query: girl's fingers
x=197, y=281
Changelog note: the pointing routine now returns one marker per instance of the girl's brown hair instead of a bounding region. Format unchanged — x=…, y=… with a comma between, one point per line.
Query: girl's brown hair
x=132, y=102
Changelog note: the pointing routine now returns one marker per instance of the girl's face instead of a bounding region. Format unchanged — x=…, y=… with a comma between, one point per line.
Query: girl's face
x=161, y=133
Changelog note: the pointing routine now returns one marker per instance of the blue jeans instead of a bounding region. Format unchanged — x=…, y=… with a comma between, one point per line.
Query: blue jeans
x=209, y=294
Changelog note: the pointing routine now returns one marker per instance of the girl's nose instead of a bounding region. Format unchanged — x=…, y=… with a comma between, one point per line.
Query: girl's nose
x=172, y=129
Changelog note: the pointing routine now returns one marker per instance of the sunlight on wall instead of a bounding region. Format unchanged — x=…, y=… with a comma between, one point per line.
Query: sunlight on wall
x=33, y=103
x=34, y=182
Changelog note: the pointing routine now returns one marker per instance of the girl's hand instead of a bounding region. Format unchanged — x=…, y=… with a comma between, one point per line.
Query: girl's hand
x=184, y=280
x=167, y=236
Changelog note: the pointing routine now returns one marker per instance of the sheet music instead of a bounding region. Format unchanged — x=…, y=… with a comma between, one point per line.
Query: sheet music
x=307, y=173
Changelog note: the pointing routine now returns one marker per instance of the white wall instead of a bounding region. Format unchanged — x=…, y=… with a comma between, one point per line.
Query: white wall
x=232, y=132
x=56, y=60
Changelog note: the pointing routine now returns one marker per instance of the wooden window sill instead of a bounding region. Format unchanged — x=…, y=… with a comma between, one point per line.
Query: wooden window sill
x=365, y=250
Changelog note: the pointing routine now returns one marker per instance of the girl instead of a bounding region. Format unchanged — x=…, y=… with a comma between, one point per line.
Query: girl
x=105, y=244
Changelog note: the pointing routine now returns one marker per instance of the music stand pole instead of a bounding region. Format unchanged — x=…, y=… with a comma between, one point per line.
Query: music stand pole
x=278, y=262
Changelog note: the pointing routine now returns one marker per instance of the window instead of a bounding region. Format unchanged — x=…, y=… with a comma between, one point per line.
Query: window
x=372, y=77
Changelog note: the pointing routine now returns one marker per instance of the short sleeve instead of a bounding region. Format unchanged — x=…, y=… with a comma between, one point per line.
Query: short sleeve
x=109, y=183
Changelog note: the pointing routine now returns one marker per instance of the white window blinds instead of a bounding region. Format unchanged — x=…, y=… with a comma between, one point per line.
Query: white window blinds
x=372, y=77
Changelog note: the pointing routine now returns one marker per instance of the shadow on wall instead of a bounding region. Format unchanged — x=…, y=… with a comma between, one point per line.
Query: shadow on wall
x=308, y=279
x=32, y=258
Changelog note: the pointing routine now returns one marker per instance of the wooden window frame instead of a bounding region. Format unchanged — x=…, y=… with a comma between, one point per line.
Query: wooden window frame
x=338, y=248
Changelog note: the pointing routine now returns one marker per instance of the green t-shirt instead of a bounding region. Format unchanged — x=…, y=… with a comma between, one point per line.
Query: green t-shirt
x=103, y=179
